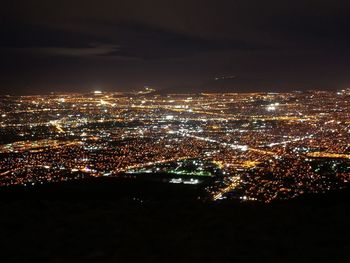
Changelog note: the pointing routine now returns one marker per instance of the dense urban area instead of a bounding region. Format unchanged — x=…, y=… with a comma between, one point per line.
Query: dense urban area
x=237, y=146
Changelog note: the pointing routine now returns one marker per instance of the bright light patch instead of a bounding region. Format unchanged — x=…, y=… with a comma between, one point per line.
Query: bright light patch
x=271, y=108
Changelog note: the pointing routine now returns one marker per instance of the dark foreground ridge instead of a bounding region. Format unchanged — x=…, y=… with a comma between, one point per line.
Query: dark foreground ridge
x=104, y=221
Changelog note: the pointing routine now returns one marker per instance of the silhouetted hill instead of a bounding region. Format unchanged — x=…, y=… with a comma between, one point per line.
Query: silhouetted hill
x=101, y=221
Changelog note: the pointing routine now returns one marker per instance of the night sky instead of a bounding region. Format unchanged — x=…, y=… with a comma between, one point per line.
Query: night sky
x=174, y=46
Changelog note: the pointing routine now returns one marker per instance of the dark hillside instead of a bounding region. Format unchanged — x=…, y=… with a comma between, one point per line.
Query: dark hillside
x=92, y=223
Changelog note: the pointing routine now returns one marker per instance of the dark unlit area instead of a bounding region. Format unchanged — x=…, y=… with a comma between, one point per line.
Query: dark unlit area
x=87, y=223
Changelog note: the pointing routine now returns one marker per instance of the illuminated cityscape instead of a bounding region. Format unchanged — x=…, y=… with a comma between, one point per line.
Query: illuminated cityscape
x=179, y=131
x=251, y=147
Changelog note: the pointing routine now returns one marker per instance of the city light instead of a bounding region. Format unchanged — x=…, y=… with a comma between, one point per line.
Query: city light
x=248, y=151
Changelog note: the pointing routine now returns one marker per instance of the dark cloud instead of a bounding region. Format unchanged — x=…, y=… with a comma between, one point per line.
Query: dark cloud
x=27, y=35
x=176, y=45
x=128, y=40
